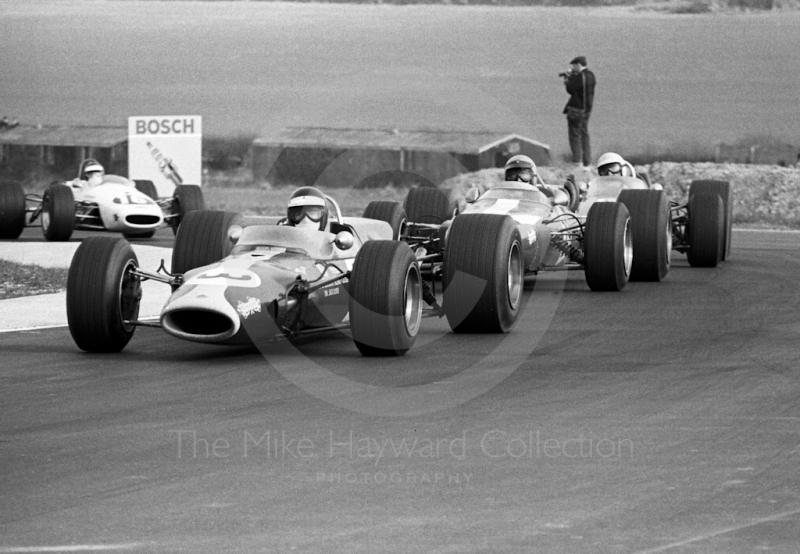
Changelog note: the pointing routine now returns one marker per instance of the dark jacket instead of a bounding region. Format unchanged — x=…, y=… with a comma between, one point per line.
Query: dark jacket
x=575, y=89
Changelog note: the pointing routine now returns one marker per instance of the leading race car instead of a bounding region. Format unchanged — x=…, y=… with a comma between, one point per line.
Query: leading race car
x=699, y=228
x=115, y=204
x=236, y=285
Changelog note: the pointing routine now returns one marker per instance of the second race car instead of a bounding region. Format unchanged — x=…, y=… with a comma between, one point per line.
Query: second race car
x=97, y=202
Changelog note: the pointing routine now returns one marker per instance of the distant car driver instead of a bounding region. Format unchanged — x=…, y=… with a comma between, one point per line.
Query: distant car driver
x=92, y=173
x=612, y=163
x=307, y=209
x=520, y=168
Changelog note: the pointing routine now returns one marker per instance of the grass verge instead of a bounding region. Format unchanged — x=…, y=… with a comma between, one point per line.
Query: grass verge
x=18, y=280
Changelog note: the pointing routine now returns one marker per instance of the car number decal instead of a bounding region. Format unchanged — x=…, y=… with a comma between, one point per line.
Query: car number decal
x=226, y=277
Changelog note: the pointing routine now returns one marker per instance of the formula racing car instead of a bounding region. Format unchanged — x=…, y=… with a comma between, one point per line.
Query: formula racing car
x=116, y=204
x=546, y=236
x=237, y=285
x=699, y=228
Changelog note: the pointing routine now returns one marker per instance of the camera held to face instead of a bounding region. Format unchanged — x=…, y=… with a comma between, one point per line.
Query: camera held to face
x=565, y=74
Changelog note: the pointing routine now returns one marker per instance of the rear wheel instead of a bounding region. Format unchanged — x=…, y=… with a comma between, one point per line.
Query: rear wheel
x=147, y=187
x=12, y=210
x=483, y=274
x=725, y=192
x=427, y=205
x=58, y=213
x=385, y=298
x=574, y=193
x=608, y=246
x=390, y=212
x=102, y=295
x=706, y=230
x=203, y=239
x=188, y=198
x=651, y=227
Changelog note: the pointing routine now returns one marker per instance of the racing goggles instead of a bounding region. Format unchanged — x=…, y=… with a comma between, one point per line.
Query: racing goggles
x=297, y=213
x=524, y=175
x=610, y=169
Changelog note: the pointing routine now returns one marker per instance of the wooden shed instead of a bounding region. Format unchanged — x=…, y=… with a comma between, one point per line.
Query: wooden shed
x=329, y=157
x=57, y=151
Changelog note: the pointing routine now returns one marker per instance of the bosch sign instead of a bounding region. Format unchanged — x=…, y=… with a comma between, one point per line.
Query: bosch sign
x=167, y=126
x=167, y=150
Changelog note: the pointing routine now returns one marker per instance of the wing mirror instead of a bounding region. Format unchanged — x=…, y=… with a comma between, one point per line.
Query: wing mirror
x=656, y=186
x=344, y=240
x=472, y=195
x=235, y=233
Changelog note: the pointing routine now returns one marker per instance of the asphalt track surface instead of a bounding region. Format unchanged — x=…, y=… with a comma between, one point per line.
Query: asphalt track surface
x=664, y=418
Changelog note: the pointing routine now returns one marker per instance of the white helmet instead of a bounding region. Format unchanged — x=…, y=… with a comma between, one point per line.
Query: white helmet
x=90, y=166
x=520, y=168
x=611, y=163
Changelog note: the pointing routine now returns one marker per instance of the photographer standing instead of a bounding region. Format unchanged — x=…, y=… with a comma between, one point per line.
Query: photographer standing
x=580, y=83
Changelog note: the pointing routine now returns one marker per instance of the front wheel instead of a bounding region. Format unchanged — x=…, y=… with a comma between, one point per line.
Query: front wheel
x=58, y=213
x=188, y=198
x=706, y=230
x=203, y=238
x=103, y=295
x=390, y=212
x=427, y=205
x=651, y=227
x=385, y=298
x=725, y=192
x=12, y=210
x=608, y=246
x=483, y=273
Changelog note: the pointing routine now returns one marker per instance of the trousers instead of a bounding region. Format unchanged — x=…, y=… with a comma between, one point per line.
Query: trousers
x=579, y=141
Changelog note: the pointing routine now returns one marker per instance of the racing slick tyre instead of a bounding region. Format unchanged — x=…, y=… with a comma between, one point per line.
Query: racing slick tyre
x=385, y=298
x=608, y=246
x=58, y=213
x=483, y=274
x=723, y=189
x=651, y=227
x=574, y=193
x=706, y=230
x=390, y=212
x=188, y=198
x=427, y=205
x=203, y=238
x=102, y=295
x=12, y=210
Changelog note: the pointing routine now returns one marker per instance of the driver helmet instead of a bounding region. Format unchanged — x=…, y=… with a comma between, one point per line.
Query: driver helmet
x=92, y=171
x=520, y=168
x=611, y=163
x=307, y=208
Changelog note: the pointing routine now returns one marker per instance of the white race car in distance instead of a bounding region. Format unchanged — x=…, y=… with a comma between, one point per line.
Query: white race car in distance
x=117, y=204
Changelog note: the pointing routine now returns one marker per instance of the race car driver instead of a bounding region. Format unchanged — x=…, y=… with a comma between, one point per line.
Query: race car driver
x=612, y=163
x=521, y=168
x=90, y=175
x=307, y=209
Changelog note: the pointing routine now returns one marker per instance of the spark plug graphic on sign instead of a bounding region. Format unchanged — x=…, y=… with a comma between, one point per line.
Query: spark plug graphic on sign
x=165, y=164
